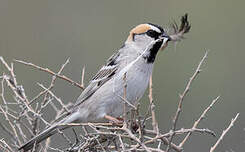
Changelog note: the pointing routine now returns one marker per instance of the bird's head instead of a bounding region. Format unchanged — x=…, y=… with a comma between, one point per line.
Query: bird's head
x=145, y=34
x=148, y=39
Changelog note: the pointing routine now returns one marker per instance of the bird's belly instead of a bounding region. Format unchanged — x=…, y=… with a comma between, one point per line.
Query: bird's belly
x=136, y=82
x=108, y=100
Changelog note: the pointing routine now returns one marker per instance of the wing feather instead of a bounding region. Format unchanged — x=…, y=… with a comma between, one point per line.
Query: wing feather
x=101, y=77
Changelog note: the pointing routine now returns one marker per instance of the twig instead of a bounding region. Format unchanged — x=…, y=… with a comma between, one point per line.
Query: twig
x=82, y=78
x=52, y=73
x=110, y=126
x=52, y=94
x=22, y=134
x=59, y=72
x=4, y=128
x=12, y=83
x=99, y=136
x=224, y=133
x=2, y=90
x=87, y=124
x=125, y=99
x=19, y=92
x=136, y=139
x=182, y=131
x=5, y=146
x=10, y=69
x=121, y=142
x=65, y=137
x=199, y=120
x=187, y=88
x=127, y=102
x=152, y=106
x=46, y=101
x=166, y=142
x=55, y=149
x=15, y=134
x=52, y=82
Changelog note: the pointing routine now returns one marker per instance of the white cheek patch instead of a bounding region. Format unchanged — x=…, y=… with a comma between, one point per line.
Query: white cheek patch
x=155, y=28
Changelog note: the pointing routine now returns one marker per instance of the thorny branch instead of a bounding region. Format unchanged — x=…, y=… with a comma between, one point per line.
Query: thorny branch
x=108, y=130
x=100, y=136
x=52, y=73
x=182, y=96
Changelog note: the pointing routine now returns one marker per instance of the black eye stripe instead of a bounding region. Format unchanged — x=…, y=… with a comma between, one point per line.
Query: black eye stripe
x=153, y=34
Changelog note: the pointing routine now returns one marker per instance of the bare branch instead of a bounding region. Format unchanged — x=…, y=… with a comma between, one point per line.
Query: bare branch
x=141, y=133
x=82, y=78
x=187, y=88
x=58, y=99
x=5, y=146
x=15, y=134
x=199, y=120
x=224, y=133
x=152, y=106
x=52, y=73
x=125, y=99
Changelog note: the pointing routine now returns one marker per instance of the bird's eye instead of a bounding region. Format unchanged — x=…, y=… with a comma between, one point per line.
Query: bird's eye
x=153, y=34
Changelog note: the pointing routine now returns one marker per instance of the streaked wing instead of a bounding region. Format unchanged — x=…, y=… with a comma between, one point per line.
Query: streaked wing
x=102, y=76
x=104, y=73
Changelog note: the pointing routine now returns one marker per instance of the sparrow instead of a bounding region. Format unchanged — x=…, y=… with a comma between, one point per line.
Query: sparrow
x=102, y=99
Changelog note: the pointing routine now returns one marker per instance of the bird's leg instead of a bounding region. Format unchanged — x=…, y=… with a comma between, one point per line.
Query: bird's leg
x=114, y=120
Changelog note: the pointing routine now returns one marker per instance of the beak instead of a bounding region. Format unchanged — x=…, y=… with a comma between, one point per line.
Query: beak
x=165, y=38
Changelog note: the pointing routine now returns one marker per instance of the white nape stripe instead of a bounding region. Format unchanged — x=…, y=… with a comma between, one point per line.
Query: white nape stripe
x=154, y=28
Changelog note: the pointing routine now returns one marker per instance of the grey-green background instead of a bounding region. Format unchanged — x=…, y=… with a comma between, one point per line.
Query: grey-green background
x=47, y=32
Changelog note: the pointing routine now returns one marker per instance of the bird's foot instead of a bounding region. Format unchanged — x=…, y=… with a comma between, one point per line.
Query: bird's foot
x=116, y=121
x=134, y=126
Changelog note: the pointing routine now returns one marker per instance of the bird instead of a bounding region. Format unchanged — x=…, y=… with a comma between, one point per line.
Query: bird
x=132, y=64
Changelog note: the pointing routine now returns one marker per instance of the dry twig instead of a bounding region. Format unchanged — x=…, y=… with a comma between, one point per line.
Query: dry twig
x=224, y=133
x=199, y=120
x=52, y=73
x=182, y=96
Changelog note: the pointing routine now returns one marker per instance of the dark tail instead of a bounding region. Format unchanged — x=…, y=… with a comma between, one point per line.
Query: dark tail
x=48, y=132
x=39, y=138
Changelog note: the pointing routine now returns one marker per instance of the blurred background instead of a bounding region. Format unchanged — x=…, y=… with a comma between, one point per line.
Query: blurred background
x=88, y=32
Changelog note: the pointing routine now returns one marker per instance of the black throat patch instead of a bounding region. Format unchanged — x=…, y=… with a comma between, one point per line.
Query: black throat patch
x=150, y=58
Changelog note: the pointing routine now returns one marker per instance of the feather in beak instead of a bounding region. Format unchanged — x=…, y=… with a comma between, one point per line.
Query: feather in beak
x=165, y=42
x=178, y=32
